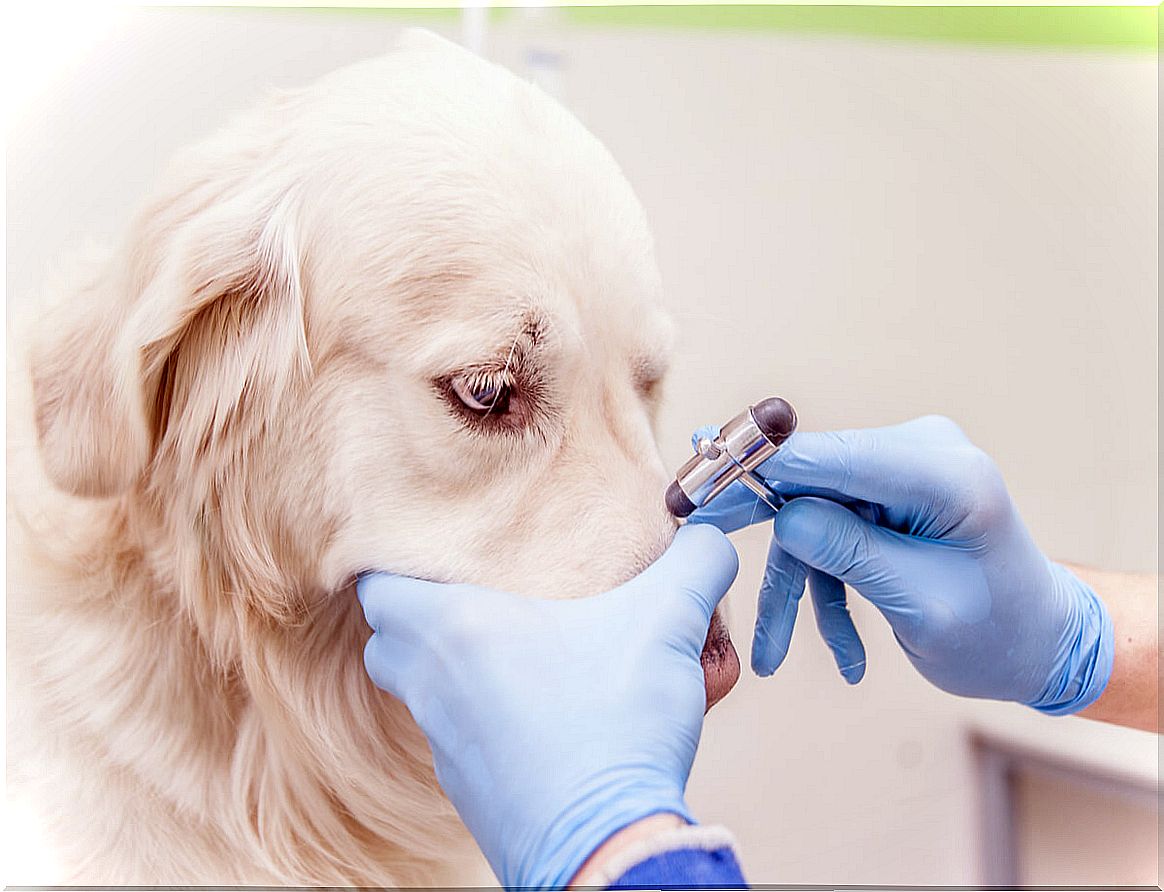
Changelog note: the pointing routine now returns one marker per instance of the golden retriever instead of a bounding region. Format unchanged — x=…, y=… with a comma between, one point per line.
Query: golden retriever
x=406, y=318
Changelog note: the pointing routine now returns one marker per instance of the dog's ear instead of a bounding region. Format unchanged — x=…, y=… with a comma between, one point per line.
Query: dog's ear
x=90, y=421
x=201, y=310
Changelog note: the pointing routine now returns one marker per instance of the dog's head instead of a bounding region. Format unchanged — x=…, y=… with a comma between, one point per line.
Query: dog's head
x=405, y=319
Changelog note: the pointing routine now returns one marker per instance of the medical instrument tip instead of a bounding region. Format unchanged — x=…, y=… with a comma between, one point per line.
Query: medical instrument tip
x=677, y=502
x=775, y=418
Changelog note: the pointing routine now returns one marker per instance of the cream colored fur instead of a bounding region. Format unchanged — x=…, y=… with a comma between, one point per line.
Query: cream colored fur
x=238, y=409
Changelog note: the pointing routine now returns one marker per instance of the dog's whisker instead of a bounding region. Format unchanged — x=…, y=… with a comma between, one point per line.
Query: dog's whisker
x=505, y=371
x=755, y=508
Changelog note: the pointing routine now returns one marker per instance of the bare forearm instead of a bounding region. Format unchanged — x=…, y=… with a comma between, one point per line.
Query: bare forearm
x=1132, y=697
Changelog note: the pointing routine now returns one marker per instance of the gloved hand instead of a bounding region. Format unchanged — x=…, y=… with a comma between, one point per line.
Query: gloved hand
x=554, y=724
x=918, y=520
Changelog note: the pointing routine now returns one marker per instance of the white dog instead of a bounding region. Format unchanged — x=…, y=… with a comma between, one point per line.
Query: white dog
x=407, y=318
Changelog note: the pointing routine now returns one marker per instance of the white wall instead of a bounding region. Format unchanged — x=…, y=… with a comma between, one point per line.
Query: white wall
x=874, y=231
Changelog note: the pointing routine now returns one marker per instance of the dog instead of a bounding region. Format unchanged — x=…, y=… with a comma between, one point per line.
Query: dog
x=407, y=318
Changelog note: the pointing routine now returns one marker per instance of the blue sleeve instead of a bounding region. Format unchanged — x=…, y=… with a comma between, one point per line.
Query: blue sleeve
x=685, y=868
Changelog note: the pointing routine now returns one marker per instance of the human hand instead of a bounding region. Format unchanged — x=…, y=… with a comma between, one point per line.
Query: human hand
x=919, y=521
x=554, y=724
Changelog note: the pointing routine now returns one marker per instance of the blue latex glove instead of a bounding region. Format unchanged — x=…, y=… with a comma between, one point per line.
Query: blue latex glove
x=918, y=520
x=554, y=724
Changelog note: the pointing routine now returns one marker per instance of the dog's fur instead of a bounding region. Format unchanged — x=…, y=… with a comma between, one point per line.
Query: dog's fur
x=243, y=406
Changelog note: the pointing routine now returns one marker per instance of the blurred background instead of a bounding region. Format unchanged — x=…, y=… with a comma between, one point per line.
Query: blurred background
x=874, y=212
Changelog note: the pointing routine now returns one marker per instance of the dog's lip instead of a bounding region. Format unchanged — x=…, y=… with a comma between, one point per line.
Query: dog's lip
x=721, y=663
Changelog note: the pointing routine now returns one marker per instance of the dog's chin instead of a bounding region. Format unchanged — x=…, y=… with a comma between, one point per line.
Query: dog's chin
x=721, y=663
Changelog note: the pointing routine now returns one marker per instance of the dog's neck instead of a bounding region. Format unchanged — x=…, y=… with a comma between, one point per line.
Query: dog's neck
x=270, y=735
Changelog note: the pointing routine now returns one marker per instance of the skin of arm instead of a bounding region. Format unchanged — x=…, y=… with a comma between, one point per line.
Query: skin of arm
x=1132, y=696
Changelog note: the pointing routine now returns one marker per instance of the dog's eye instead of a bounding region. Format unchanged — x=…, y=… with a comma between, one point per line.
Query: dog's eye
x=482, y=394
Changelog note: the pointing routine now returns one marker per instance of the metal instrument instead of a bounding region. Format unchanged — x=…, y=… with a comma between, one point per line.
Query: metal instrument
x=743, y=444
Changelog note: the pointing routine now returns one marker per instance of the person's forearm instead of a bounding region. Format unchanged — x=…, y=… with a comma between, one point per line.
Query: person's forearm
x=1132, y=696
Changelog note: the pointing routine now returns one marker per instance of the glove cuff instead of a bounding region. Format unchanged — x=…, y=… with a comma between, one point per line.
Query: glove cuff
x=577, y=836
x=667, y=842
x=1090, y=653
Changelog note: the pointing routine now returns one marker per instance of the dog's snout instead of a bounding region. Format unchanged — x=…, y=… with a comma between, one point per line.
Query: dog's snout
x=663, y=530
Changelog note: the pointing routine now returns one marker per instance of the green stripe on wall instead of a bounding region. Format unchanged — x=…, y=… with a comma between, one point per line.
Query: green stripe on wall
x=1079, y=27
x=418, y=14
x=1114, y=27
